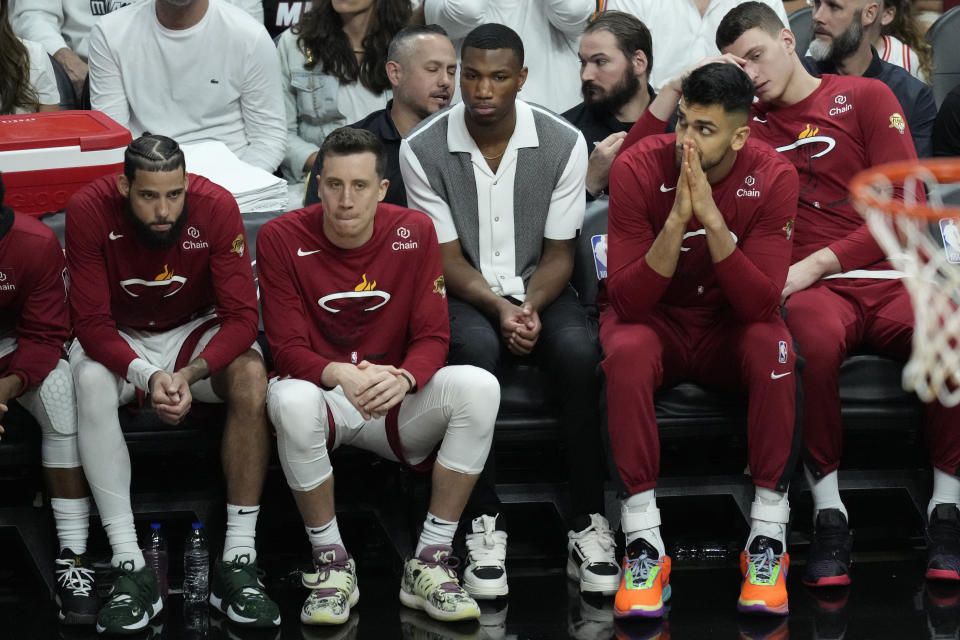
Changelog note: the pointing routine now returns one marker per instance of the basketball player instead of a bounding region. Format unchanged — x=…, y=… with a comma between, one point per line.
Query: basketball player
x=699, y=245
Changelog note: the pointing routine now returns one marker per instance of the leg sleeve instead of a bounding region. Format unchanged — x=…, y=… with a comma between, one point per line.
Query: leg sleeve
x=54, y=407
x=299, y=414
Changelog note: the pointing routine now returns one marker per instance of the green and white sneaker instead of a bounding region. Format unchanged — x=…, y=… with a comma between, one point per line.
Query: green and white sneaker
x=133, y=601
x=236, y=591
x=333, y=586
x=430, y=584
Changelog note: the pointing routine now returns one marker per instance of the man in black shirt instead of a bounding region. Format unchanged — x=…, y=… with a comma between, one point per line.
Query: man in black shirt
x=421, y=66
x=946, y=130
x=616, y=55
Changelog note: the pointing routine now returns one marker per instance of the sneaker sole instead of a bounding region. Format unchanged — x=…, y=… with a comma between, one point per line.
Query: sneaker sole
x=239, y=620
x=607, y=588
x=755, y=607
x=830, y=581
x=414, y=601
x=486, y=593
x=639, y=612
x=333, y=620
x=74, y=618
x=942, y=574
x=139, y=625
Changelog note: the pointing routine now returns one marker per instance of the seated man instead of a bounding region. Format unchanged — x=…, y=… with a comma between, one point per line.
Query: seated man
x=421, y=67
x=843, y=34
x=164, y=303
x=152, y=69
x=699, y=245
x=503, y=181
x=354, y=307
x=615, y=60
x=34, y=324
x=841, y=294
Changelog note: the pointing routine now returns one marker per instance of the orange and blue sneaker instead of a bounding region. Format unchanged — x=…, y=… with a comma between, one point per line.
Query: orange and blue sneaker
x=645, y=585
x=764, y=567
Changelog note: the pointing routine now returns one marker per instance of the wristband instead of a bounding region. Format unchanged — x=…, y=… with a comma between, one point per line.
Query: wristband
x=409, y=382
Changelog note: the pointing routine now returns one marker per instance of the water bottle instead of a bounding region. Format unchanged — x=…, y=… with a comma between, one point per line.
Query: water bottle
x=196, y=620
x=196, y=565
x=155, y=556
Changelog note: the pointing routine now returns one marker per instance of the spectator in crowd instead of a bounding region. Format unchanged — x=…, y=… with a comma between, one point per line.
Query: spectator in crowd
x=841, y=294
x=615, y=60
x=367, y=369
x=27, y=83
x=151, y=70
x=62, y=27
x=699, y=248
x=550, y=30
x=503, y=181
x=901, y=40
x=683, y=30
x=422, y=68
x=333, y=71
x=946, y=129
x=35, y=324
x=163, y=303
x=843, y=33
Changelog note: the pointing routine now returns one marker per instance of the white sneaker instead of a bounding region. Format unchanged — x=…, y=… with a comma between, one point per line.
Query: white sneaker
x=591, y=558
x=485, y=576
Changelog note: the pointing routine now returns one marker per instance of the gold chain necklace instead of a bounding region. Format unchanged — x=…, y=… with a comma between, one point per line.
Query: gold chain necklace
x=494, y=157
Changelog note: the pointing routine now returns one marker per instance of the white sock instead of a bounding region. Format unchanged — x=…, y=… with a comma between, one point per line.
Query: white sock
x=769, y=515
x=72, y=517
x=436, y=531
x=123, y=540
x=825, y=492
x=241, y=532
x=325, y=534
x=946, y=490
x=642, y=507
x=123, y=559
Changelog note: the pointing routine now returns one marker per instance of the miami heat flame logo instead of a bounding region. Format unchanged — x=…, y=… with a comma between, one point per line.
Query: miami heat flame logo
x=348, y=310
x=172, y=283
x=809, y=137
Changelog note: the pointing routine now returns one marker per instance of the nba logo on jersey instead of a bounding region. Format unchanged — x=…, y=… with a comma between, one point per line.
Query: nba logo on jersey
x=600, y=255
x=783, y=352
x=950, y=231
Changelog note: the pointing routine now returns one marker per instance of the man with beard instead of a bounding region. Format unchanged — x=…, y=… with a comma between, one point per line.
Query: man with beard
x=699, y=246
x=503, y=181
x=164, y=307
x=615, y=59
x=843, y=31
x=421, y=67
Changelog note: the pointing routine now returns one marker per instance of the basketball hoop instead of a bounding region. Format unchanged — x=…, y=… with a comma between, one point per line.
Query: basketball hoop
x=921, y=237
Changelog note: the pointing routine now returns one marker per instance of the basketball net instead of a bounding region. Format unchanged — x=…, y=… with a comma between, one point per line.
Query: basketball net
x=921, y=237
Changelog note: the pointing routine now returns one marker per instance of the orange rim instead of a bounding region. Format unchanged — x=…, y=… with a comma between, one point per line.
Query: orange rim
x=945, y=170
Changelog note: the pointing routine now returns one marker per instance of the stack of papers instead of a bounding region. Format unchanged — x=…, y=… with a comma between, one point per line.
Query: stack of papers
x=254, y=189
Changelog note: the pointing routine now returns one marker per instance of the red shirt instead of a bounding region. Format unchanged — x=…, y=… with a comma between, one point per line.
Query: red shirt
x=33, y=300
x=384, y=302
x=117, y=282
x=848, y=124
x=758, y=200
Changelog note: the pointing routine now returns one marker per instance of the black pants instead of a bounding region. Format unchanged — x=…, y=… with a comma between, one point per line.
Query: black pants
x=568, y=350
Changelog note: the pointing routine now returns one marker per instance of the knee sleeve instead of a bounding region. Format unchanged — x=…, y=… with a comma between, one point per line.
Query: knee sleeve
x=473, y=406
x=299, y=413
x=54, y=407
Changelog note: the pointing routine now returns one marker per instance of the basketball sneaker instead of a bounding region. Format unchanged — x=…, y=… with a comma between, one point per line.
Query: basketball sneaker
x=76, y=591
x=485, y=576
x=646, y=582
x=828, y=561
x=430, y=584
x=764, y=567
x=237, y=592
x=591, y=557
x=133, y=601
x=943, y=543
x=333, y=586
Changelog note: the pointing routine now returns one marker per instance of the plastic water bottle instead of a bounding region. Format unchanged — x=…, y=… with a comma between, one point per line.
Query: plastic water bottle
x=196, y=565
x=156, y=557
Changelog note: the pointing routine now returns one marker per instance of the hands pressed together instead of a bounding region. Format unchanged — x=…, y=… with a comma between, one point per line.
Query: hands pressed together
x=373, y=389
x=519, y=327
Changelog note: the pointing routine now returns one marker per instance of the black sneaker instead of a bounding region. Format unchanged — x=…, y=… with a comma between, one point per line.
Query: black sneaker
x=76, y=591
x=943, y=543
x=828, y=561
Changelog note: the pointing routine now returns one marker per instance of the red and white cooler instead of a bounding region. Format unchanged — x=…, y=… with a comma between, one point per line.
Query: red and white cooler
x=45, y=157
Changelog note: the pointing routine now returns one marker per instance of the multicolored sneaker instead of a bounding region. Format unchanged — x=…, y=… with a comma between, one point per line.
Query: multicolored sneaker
x=430, y=584
x=76, y=591
x=591, y=556
x=485, y=576
x=236, y=591
x=333, y=586
x=764, y=567
x=133, y=601
x=646, y=582
x=943, y=543
x=828, y=562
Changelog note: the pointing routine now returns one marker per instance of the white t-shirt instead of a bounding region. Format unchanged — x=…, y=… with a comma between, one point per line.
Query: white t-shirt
x=217, y=80
x=42, y=79
x=550, y=30
x=897, y=52
x=681, y=36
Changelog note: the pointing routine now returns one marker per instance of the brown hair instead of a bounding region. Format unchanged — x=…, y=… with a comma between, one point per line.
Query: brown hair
x=15, y=88
x=905, y=28
x=631, y=34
